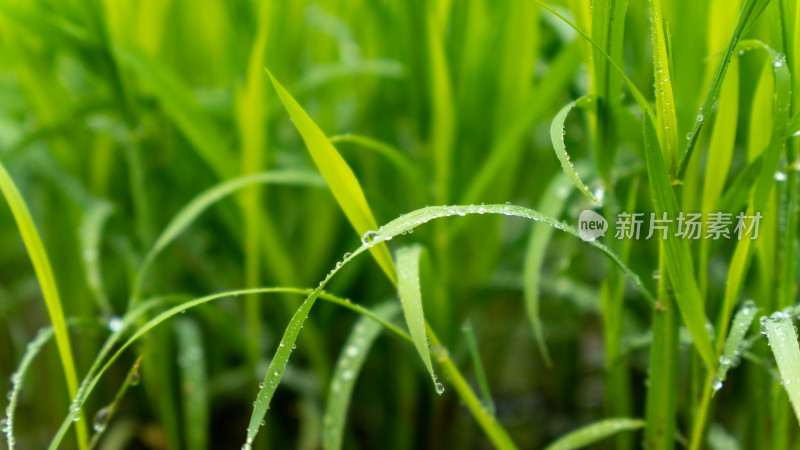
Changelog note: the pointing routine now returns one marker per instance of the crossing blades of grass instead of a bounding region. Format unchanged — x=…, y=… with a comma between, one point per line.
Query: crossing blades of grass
x=733, y=345
x=594, y=433
x=780, y=332
x=764, y=182
x=678, y=258
x=104, y=415
x=750, y=12
x=47, y=283
x=351, y=360
x=203, y=201
x=553, y=202
x=340, y=178
x=408, y=289
x=557, y=137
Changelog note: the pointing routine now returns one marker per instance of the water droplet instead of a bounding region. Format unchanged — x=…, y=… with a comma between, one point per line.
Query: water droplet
x=347, y=375
x=700, y=117
x=778, y=63
x=100, y=419
x=115, y=324
x=656, y=274
x=275, y=373
x=725, y=361
x=261, y=385
x=352, y=351
x=439, y=388
x=779, y=176
x=368, y=238
x=716, y=384
x=348, y=255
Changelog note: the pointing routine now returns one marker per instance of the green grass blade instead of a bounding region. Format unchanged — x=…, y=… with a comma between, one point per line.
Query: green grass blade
x=90, y=234
x=32, y=350
x=553, y=202
x=764, y=182
x=103, y=416
x=596, y=432
x=409, y=221
x=47, y=283
x=678, y=258
x=477, y=364
x=733, y=345
x=750, y=11
x=392, y=154
x=557, y=137
x=207, y=198
x=194, y=384
x=665, y=100
x=780, y=332
x=99, y=368
x=351, y=360
x=408, y=290
x=17, y=378
x=340, y=178
x=287, y=344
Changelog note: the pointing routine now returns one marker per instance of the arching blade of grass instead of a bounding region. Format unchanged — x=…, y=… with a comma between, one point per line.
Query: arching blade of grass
x=596, y=432
x=340, y=178
x=194, y=384
x=392, y=154
x=43, y=336
x=553, y=202
x=665, y=101
x=47, y=283
x=733, y=345
x=678, y=257
x=204, y=200
x=782, y=338
x=351, y=360
x=557, y=137
x=90, y=234
x=408, y=289
x=750, y=12
x=409, y=221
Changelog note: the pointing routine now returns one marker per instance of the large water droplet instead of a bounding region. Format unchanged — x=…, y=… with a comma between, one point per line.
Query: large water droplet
x=100, y=419
x=716, y=384
x=700, y=117
x=369, y=237
x=439, y=388
x=779, y=176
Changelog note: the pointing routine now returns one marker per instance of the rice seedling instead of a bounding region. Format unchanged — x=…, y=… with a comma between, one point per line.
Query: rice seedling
x=347, y=224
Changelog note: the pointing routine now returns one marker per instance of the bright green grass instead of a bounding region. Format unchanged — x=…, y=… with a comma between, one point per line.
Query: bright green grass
x=162, y=163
